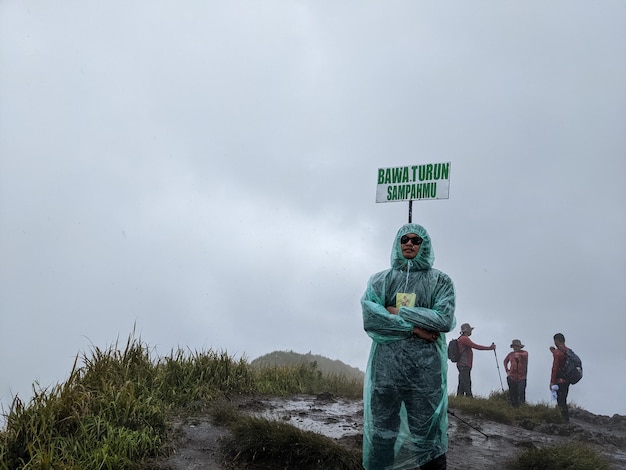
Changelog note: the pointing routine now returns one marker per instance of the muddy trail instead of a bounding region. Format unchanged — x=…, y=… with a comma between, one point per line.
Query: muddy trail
x=474, y=443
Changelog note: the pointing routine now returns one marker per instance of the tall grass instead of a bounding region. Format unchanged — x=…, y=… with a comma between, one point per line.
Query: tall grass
x=112, y=411
x=192, y=379
x=304, y=378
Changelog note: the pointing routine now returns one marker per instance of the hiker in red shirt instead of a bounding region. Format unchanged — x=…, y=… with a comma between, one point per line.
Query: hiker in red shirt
x=464, y=365
x=516, y=367
x=558, y=365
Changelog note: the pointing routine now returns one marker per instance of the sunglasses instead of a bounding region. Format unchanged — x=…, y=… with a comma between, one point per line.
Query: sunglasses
x=415, y=240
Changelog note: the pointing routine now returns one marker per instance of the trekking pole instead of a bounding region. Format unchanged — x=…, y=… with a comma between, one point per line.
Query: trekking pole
x=468, y=424
x=498, y=366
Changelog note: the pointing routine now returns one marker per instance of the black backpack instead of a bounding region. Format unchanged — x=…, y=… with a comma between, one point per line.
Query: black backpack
x=453, y=350
x=573, y=369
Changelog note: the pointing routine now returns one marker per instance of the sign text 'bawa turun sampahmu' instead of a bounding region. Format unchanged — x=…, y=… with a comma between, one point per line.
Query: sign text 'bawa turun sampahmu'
x=415, y=182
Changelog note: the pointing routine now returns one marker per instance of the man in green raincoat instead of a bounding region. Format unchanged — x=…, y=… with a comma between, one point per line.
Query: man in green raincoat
x=406, y=311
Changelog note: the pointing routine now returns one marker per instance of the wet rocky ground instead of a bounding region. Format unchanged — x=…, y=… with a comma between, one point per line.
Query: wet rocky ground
x=474, y=443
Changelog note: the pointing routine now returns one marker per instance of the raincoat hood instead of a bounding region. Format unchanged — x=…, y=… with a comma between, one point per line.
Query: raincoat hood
x=424, y=259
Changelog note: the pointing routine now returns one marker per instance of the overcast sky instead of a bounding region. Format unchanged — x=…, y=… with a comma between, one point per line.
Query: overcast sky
x=205, y=172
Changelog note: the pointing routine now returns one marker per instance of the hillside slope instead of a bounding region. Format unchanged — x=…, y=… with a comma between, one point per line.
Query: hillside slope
x=475, y=443
x=323, y=364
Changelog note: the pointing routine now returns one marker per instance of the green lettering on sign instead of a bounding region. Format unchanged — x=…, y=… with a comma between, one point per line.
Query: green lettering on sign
x=414, y=182
x=401, y=192
x=381, y=176
x=432, y=172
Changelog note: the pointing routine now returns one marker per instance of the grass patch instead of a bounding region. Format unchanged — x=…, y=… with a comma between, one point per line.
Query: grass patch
x=497, y=408
x=267, y=444
x=304, y=378
x=104, y=416
x=565, y=457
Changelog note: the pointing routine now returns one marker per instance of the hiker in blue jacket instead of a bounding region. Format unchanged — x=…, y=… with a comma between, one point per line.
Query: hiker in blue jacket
x=406, y=311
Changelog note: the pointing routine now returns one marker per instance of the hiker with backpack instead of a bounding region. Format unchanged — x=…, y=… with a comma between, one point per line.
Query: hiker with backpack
x=466, y=359
x=566, y=370
x=516, y=367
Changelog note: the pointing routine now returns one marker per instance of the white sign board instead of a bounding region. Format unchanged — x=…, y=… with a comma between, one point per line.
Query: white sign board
x=413, y=183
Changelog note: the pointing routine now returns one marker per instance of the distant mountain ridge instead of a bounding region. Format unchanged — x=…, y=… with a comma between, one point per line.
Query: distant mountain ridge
x=324, y=364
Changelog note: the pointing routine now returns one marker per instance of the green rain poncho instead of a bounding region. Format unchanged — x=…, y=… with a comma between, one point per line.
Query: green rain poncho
x=406, y=392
